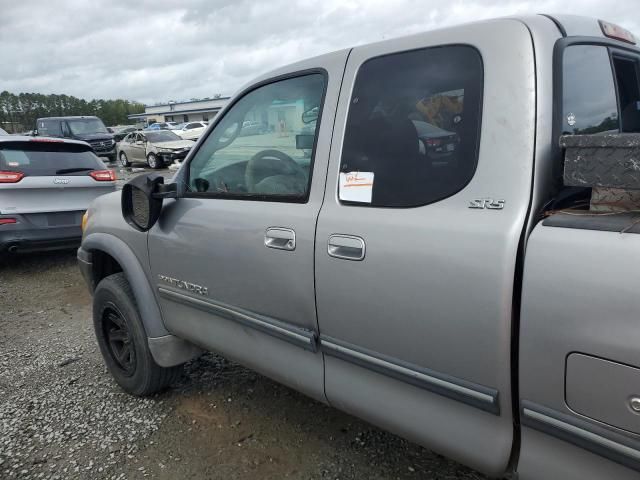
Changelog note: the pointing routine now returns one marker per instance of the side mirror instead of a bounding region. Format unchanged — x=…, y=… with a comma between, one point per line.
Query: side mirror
x=139, y=142
x=142, y=199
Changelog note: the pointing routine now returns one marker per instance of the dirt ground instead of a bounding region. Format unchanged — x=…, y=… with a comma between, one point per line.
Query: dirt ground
x=61, y=415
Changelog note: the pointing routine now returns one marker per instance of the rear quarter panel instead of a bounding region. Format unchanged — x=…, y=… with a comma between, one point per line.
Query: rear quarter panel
x=580, y=295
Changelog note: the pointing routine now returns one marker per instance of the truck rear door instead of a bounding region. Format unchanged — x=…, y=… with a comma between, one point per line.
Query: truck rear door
x=427, y=193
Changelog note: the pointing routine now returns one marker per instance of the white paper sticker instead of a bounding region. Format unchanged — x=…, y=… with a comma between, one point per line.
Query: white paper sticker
x=356, y=186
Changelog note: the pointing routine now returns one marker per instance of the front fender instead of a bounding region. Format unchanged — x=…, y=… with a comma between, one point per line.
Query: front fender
x=133, y=271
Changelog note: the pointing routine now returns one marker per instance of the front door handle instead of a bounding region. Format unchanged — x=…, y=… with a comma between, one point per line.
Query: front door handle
x=280, y=238
x=347, y=247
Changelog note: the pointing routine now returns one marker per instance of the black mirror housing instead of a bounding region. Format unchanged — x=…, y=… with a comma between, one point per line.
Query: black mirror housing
x=141, y=206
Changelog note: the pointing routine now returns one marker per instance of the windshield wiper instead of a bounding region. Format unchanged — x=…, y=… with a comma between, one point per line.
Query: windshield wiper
x=73, y=170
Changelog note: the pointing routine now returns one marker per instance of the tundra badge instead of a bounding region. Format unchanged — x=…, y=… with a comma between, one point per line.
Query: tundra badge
x=190, y=287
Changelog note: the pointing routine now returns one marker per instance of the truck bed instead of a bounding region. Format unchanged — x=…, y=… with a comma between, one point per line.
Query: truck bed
x=579, y=336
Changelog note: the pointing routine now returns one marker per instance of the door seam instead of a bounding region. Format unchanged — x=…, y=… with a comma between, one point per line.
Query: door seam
x=315, y=230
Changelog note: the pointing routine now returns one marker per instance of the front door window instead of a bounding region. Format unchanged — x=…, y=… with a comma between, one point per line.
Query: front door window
x=263, y=147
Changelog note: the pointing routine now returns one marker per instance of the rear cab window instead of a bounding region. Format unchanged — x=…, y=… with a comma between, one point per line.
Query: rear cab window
x=600, y=95
x=626, y=72
x=35, y=158
x=413, y=126
x=600, y=91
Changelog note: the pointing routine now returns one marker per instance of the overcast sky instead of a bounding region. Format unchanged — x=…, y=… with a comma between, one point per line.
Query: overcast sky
x=157, y=50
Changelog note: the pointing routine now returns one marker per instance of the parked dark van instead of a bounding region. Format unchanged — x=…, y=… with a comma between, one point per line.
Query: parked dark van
x=87, y=129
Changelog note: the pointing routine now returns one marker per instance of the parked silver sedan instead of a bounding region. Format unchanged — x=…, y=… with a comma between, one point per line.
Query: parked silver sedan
x=46, y=186
x=155, y=148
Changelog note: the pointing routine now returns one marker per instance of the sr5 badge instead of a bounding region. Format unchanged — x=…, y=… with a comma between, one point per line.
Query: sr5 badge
x=488, y=203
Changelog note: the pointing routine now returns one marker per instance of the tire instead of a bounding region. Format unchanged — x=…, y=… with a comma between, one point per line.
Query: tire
x=153, y=161
x=123, y=340
x=124, y=161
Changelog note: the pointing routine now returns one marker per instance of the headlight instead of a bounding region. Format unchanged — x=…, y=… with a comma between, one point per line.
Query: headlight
x=113, y=142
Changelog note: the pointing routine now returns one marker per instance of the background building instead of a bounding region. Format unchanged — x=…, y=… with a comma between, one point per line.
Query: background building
x=195, y=110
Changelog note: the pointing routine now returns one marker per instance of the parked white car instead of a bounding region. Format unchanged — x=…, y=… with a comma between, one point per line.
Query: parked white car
x=192, y=130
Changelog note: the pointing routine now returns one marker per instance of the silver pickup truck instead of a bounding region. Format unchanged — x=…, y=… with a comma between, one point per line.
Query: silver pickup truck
x=403, y=239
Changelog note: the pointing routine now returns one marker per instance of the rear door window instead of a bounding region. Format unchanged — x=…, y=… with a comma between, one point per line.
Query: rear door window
x=47, y=159
x=413, y=127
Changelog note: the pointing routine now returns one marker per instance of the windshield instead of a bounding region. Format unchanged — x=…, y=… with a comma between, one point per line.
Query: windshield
x=162, y=136
x=86, y=126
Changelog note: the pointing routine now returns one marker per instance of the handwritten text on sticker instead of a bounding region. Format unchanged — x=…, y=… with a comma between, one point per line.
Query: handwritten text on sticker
x=356, y=186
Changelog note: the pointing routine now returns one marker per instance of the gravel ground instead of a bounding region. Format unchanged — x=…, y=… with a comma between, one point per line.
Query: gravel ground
x=62, y=416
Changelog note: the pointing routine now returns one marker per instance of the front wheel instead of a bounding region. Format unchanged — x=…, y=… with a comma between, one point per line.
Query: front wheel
x=124, y=161
x=123, y=340
x=153, y=161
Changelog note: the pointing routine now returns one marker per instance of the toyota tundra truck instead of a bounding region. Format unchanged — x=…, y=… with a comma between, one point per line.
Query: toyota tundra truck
x=435, y=233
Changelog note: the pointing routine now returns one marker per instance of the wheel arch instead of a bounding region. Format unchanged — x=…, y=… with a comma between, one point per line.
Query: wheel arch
x=102, y=254
x=108, y=254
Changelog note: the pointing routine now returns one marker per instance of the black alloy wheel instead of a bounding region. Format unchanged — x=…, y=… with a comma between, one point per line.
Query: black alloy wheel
x=119, y=340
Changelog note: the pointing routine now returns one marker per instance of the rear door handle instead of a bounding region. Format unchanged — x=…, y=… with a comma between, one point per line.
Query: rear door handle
x=346, y=247
x=280, y=238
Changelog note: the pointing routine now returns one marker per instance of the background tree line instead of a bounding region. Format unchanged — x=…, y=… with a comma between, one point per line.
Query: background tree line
x=18, y=113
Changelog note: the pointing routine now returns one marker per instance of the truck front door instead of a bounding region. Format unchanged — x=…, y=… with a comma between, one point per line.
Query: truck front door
x=427, y=193
x=233, y=257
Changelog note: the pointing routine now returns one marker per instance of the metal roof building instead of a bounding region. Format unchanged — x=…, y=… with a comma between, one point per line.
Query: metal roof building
x=194, y=110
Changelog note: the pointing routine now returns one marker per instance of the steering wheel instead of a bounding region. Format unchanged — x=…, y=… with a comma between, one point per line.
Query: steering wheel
x=291, y=168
